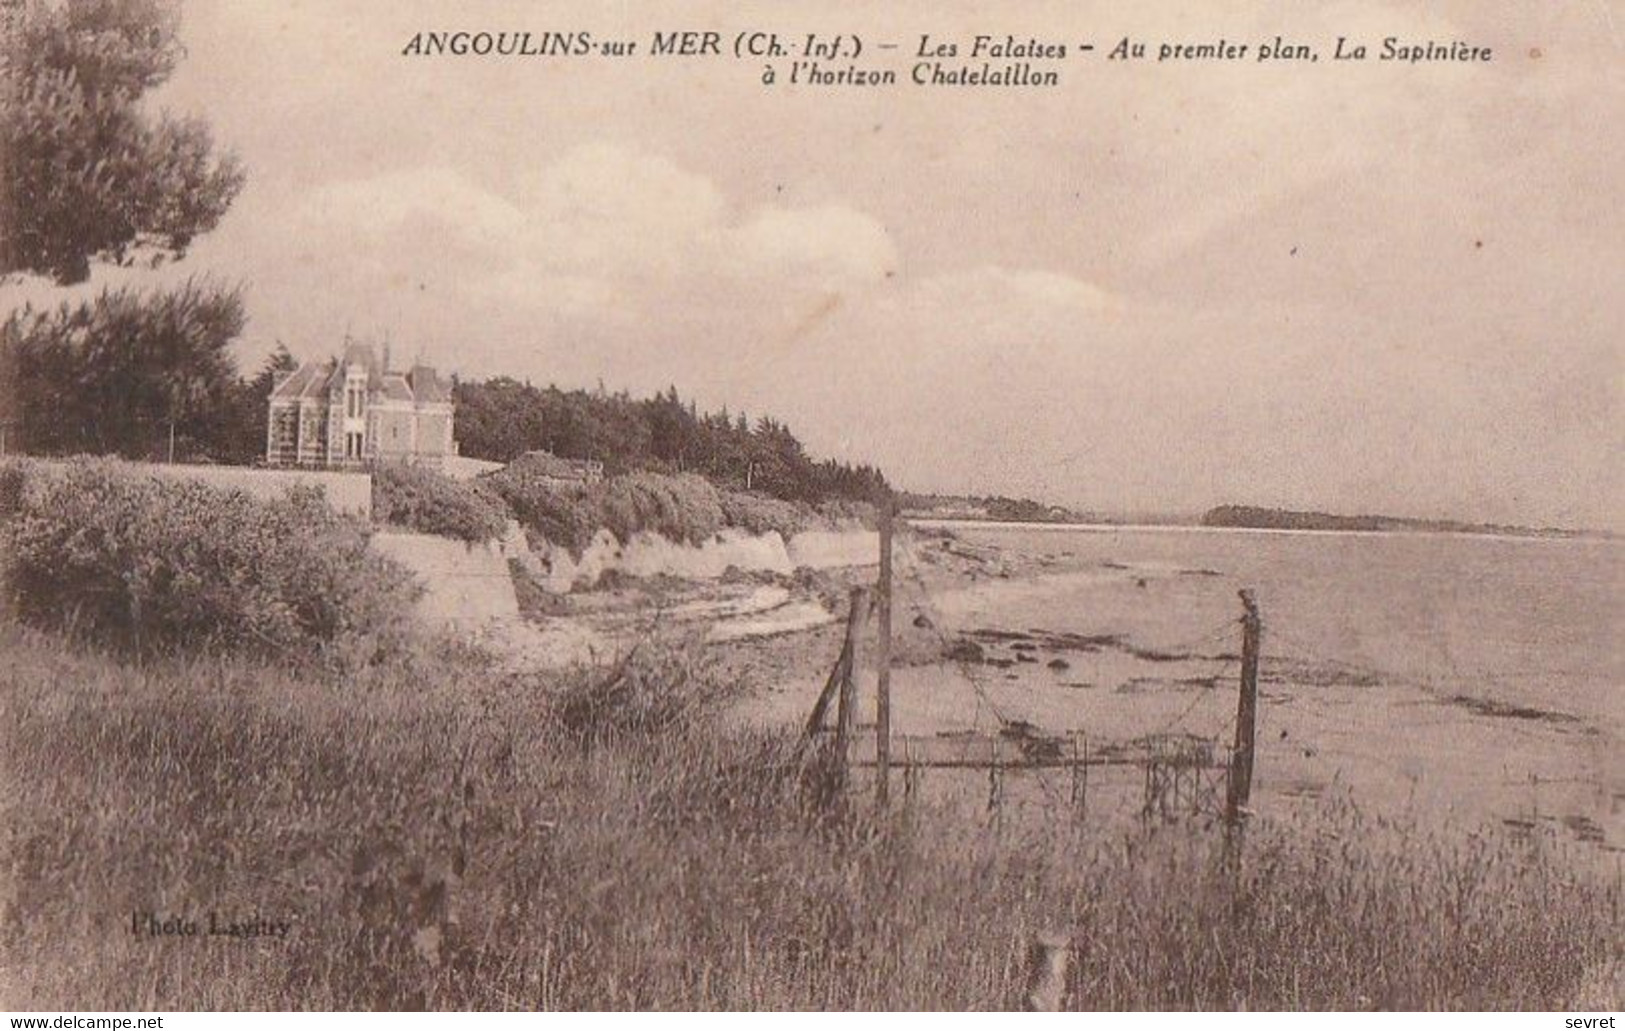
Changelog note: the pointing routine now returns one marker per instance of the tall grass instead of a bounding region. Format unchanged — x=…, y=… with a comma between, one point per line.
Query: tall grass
x=443, y=837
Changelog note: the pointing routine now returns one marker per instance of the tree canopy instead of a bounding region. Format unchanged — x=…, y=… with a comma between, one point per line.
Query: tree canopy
x=499, y=419
x=85, y=173
x=113, y=374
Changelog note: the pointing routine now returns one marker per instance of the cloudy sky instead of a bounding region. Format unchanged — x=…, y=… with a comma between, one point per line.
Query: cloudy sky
x=1356, y=288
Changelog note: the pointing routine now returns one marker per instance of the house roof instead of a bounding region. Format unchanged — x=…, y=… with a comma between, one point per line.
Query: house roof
x=394, y=387
x=364, y=356
x=426, y=385
x=320, y=379
x=309, y=380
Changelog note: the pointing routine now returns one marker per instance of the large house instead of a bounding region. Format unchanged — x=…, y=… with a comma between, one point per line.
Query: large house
x=354, y=411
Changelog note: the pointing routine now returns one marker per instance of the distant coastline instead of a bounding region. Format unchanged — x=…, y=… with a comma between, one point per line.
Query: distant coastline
x=1257, y=518
x=1023, y=512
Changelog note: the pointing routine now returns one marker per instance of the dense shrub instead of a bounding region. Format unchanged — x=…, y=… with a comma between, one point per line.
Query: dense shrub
x=840, y=512
x=157, y=565
x=428, y=501
x=683, y=508
x=756, y=514
x=560, y=515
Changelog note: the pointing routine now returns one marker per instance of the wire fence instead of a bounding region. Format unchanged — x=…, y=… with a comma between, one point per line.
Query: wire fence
x=1182, y=763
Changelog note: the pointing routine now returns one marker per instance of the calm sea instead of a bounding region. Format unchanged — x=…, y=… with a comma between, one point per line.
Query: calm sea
x=1533, y=622
x=1477, y=678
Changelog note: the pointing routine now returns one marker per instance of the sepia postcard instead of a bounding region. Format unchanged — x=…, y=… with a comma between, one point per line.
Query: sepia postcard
x=837, y=506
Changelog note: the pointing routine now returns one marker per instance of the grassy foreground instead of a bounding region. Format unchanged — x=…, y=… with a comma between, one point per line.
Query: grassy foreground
x=437, y=838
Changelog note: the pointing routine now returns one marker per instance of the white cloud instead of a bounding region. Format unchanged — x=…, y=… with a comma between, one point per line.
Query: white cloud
x=1034, y=292
x=829, y=244
x=394, y=200
x=1154, y=286
x=602, y=229
x=609, y=211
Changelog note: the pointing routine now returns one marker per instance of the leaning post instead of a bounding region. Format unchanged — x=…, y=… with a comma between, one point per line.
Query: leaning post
x=856, y=615
x=1240, y=787
x=883, y=657
x=847, y=712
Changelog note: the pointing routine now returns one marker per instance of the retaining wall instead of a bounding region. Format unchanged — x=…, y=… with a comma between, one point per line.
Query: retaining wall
x=468, y=586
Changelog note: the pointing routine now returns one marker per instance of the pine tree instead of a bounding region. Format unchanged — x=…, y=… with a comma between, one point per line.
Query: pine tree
x=85, y=174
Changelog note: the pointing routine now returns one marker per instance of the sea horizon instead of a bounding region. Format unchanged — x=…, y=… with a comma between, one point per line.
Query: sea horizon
x=938, y=522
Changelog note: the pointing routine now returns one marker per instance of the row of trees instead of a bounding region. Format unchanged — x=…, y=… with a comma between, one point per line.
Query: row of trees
x=144, y=376
x=150, y=376
x=500, y=418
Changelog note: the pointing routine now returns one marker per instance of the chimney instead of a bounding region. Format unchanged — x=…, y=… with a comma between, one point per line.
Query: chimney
x=386, y=356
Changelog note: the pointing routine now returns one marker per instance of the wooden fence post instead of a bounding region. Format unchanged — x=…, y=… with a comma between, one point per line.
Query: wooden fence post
x=847, y=710
x=1080, y=776
x=832, y=684
x=857, y=613
x=995, y=780
x=1047, y=960
x=1240, y=788
x=883, y=659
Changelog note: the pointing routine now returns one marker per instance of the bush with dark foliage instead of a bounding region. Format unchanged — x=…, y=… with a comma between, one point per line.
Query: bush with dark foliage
x=156, y=565
x=428, y=501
